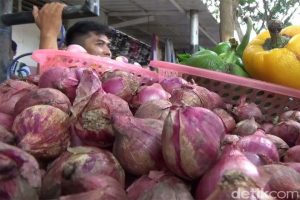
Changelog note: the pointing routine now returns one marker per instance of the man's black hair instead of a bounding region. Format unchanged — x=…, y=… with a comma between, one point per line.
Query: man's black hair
x=14, y=46
x=82, y=28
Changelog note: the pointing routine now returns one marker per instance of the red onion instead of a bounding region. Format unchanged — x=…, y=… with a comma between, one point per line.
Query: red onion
x=193, y=95
x=229, y=140
x=80, y=162
x=266, y=172
x=43, y=96
x=88, y=86
x=172, y=83
x=247, y=110
x=61, y=78
x=10, y=92
x=158, y=186
x=227, y=119
x=138, y=144
x=42, y=131
x=285, y=184
x=120, y=83
x=246, y=127
x=94, y=109
x=6, y=136
x=290, y=115
x=108, y=188
x=292, y=155
x=216, y=100
x=20, y=176
x=148, y=93
x=232, y=159
x=155, y=109
x=294, y=165
x=34, y=79
x=287, y=130
x=94, y=125
x=267, y=127
x=6, y=120
x=260, y=145
x=235, y=185
x=257, y=160
x=191, y=141
x=281, y=145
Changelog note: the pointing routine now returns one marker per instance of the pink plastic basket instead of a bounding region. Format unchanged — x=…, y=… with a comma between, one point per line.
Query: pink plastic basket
x=48, y=58
x=271, y=98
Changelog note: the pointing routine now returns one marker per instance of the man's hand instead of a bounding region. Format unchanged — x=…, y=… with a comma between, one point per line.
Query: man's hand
x=49, y=21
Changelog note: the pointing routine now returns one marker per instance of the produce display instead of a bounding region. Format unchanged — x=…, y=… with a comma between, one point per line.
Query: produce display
x=77, y=133
x=225, y=57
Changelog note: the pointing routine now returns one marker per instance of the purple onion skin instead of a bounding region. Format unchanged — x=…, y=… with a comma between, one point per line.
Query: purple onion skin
x=94, y=126
x=294, y=165
x=121, y=84
x=232, y=159
x=158, y=185
x=6, y=136
x=64, y=79
x=156, y=109
x=260, y=145
x=289, y=131
x=280, y=144
x=172, y=83
x=292, y=155
x=191, y=141
x=149, y=93
x=80, y=162
x=6, y=121
x=44, y=96
x=138, y=144
x=227, y=119
x=247, y=110
x=108, y=187
x=10, y=93
x=20, y=176
x=42, y=131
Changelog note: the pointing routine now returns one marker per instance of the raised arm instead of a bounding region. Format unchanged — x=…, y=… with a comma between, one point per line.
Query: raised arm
x=49, y=21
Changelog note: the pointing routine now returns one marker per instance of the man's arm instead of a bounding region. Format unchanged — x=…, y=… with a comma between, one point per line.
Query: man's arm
x=49, y=21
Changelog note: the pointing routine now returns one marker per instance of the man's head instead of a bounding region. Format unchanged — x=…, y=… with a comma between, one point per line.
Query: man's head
x=90, y=35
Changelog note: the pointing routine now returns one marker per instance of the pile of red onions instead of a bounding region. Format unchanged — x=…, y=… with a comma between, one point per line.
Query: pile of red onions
x=77, y=163
x=138, y=144
x=191, y=141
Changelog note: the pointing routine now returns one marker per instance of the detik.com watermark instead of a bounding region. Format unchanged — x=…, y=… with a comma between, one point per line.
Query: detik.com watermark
x=260, y=194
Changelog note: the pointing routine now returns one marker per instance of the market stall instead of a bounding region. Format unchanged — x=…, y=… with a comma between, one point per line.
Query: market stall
x=92, y=127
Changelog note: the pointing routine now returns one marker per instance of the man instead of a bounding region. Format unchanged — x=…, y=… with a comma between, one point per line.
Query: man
x=16, y=69
x=90, y=35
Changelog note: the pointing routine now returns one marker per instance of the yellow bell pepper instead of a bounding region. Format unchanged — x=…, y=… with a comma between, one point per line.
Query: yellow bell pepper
x=274, y=55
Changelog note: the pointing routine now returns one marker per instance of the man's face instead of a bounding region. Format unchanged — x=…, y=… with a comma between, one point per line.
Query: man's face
x=97, y=45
